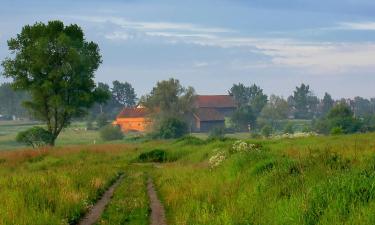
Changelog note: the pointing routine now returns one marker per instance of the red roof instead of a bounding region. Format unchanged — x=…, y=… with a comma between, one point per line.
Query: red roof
x=133, y=113
x=209, y=114
x=215, y=101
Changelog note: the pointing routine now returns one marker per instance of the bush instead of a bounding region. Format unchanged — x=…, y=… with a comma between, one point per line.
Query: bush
x=266, y=131
x=35, y=137
x=156, y=155
x=217, y=133
x=110, y=133
x=171, y=128
x=102, y=120
x=289, y=129
x=336, y=131
x=190, y=140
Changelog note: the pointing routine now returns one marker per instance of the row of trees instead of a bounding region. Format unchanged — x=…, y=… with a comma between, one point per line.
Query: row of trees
x=258, y=110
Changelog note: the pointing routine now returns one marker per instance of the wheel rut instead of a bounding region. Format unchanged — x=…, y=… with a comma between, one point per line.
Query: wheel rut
x=157, y=210
x=96, y=211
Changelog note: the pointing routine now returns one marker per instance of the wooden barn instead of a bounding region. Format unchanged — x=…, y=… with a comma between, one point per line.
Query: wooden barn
x=133, y=119
x=211, y=111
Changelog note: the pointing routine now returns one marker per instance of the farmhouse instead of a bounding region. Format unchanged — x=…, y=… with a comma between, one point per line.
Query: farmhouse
x=210, y=112
x=133, y=119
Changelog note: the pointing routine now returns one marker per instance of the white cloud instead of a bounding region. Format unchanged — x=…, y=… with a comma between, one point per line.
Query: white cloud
x=152, y=26
x=319, y=57
x=118, y=35
x=357, y=26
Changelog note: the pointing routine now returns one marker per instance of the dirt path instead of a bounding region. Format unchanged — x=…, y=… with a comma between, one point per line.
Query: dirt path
x=157, y=210
x=94, y=214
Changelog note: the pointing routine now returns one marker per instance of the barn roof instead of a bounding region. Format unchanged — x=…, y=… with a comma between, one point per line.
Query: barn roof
x=208, y=114
x=133, y=113
x=215, y=101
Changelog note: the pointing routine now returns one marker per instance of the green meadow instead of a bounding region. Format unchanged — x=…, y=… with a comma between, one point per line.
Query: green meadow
x=307, y=180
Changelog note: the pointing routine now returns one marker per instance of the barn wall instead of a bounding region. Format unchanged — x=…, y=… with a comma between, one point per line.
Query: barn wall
x=206, y=126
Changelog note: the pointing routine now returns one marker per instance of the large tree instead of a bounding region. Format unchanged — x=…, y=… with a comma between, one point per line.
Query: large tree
x=327, y=104
x=169, y=101
x=304, y=102
x=252, y=96
x=275, y=110
x=124, y=93
x=240, y=94
x=56, y=65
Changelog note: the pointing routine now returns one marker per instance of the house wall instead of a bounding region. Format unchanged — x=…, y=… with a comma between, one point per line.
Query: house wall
x=206, y=126
x=133, y=124
x=227, y=112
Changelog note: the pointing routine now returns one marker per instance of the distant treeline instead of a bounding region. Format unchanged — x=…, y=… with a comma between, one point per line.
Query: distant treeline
x=301, y=104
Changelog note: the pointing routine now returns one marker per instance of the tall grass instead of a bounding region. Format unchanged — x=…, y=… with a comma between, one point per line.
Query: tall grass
x=55, y=186
x=315, y=180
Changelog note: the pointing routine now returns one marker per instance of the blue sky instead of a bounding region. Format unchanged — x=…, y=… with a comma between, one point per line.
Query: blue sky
x=210, y=45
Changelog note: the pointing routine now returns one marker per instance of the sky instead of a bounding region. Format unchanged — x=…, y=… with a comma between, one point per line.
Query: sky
x=212, y=44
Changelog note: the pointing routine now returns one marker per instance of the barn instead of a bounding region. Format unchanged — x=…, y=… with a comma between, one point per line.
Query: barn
x=211, y=111
x=133, y=119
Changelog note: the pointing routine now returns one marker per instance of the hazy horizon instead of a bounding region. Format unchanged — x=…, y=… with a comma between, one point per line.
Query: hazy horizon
x=211, y=45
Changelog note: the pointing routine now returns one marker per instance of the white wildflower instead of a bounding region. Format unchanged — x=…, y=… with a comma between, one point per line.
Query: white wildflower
x=217, y=159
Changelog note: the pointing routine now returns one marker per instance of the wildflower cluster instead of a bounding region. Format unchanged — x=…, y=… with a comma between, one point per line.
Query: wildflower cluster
x=295, y=135
x=241, y=146
x=218, y=158
x=237, y=147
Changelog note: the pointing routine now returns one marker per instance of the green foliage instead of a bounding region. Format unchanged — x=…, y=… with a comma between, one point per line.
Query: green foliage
x=327, y=104
x=217, y=133
x=56, y=65
x=243, y=117
x=110, y=133
x=289, y=129
x=267, y=131
x=171, y=128
x=124, y=93
x=156, y=155
x=102, y=120
x=275, y=111
x=190, y=140
x=337, y=130
x=252, y=96
x=35, y=137
x=340, y=116
x=304, y=102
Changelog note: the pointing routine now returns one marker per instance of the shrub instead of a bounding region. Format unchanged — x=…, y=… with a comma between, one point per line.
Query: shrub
x=217, y=133
x=156, y=155
x=102, y=120
x=109, y=133
x=190, y=140
x=336, y=131
x=35, y=137
x=171, y=128
x=289, y=129
x=266, y=131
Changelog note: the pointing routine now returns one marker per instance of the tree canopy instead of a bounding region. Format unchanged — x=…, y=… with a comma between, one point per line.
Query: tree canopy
x=56, y=65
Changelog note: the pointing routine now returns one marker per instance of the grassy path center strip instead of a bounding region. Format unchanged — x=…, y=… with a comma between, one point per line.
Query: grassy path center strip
x=94, y=214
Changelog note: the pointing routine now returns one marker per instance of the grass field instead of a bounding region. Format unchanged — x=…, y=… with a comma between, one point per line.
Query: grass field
x=311, y=180
x=75, y=134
